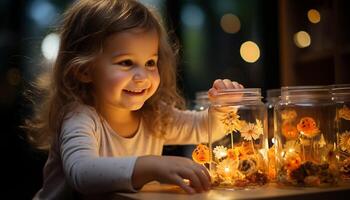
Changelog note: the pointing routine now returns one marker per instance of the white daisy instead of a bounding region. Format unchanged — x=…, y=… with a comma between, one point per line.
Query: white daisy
x=220, y=152
x=251, y=132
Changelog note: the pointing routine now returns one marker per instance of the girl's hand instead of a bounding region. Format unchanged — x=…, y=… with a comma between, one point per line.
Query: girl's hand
x=221, y=85
x=173, y=170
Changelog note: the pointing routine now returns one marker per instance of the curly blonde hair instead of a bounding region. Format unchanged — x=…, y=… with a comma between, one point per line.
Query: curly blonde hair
x=85, y=26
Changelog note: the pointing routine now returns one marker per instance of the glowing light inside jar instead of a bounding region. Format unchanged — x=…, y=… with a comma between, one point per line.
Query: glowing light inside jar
x=227, y=170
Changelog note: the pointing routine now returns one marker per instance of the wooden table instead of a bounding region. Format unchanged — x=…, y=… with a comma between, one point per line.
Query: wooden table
x=154, y=191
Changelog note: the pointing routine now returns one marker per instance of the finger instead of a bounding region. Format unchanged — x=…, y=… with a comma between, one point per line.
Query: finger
x=236, y=85
x=228, y=84
x=202, y=176
x=194, y=180
x=212, y=93
x=178, y=180
x=206, y=172
x=241, y=86
x=219, y=84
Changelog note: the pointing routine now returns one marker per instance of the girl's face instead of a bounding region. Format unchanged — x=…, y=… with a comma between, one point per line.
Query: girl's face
x=126, y=74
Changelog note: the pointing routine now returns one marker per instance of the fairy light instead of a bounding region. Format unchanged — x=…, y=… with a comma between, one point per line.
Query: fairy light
x=227, y=169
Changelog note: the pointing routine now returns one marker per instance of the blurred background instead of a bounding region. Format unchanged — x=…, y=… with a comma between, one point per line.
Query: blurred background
x=259, y=44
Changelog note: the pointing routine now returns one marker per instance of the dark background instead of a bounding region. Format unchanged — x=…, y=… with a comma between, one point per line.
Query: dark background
x=207, y=53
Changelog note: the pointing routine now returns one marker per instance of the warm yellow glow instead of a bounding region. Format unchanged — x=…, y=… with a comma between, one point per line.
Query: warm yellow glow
x=227, y=169
x=250, y=52
x=291, y=150
x=230, y=23
x=314, y=16
x=302, y=39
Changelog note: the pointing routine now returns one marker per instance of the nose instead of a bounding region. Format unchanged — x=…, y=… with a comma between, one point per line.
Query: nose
x=140, y=75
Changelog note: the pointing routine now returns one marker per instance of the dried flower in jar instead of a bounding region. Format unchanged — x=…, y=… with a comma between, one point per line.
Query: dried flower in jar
x=201, y=154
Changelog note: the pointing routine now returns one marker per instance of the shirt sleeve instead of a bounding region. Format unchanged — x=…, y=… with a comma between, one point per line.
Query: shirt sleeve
x=188, y=127
x=84, y=169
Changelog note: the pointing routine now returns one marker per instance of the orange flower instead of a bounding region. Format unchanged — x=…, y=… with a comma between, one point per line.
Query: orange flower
x=289, y=115
x=307, y=126
x=289, y=131
x=292, y=161
x=233, y=154
x=201, y=154
x=344, y=113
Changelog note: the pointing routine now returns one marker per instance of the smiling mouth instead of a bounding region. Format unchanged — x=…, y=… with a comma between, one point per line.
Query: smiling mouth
x=135, y=92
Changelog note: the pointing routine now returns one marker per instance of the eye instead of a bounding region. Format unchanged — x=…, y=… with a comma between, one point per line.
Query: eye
x=151, y=63
x=125, y=63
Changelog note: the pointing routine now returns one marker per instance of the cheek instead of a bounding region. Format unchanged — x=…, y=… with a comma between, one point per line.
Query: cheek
x=112, y=81
x=156, y=79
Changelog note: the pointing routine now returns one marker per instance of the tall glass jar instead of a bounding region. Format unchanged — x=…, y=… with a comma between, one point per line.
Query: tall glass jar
x=341, y=96
x=305, y=137
x=238, y=139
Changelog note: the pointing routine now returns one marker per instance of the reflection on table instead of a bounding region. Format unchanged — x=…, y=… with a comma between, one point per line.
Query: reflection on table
x=156, y=190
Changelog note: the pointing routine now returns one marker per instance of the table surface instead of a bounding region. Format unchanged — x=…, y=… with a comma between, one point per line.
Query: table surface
x=155, y=190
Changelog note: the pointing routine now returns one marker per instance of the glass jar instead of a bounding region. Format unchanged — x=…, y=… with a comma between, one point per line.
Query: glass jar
x=238, y=139
x=202, y=101
x=341, y=97
x=305, y=137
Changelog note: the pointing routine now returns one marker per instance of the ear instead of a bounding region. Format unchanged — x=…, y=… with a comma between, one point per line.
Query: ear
x=84, y=75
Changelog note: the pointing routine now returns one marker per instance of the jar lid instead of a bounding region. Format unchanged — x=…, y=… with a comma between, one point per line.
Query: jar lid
x=340, y=90
x=236, y=95
x=306, y=92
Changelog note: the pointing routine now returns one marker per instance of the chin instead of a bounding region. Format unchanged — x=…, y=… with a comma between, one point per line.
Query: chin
x=135, y=107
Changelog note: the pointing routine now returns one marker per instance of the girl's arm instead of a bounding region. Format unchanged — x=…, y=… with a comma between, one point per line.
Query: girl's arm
x=84, y=168
x=89, y=173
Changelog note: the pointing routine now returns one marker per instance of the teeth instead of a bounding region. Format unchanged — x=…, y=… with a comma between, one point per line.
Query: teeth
x=137, y=91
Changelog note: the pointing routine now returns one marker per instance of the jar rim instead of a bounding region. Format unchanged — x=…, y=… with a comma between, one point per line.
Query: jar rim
x=237, y=95
x=305, y=88
x=306, y=93
x=256, y=91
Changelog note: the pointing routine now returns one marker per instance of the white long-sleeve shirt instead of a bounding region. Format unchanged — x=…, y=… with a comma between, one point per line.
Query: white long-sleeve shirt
x=89, y=157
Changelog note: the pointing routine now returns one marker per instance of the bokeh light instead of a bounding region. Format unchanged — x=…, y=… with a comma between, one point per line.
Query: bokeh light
x=250, y=51
x=192, y=16
x=230, y=23
x=50, y=45
x=314, y=16
x=302, y=39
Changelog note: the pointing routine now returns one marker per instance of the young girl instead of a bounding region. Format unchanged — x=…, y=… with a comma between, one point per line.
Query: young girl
x=112, y=103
